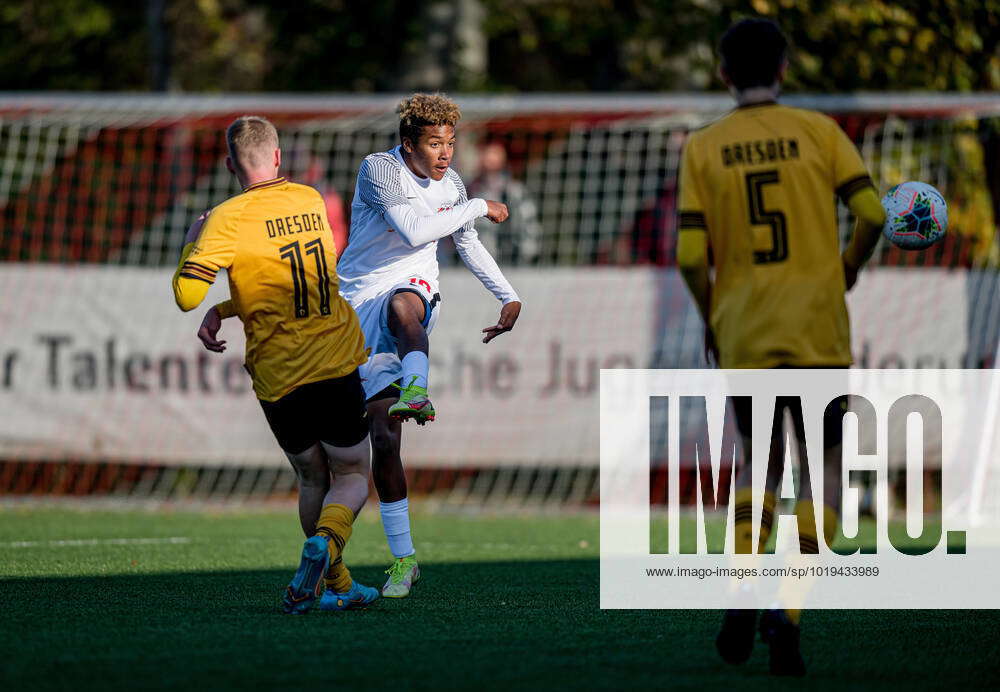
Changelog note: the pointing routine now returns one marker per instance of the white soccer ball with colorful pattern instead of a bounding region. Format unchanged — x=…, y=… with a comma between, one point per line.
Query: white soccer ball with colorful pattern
x=916, y=215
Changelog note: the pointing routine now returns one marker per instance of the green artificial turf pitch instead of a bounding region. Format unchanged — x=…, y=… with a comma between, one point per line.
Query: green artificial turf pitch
x=505, y=603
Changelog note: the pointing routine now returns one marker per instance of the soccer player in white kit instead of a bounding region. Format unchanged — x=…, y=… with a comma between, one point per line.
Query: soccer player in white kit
x=405, y=200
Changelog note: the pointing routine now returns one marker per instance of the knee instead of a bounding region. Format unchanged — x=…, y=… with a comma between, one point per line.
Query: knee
x=385, y=444
x=350, y=460
x=405, y=309
x=312, y=476
x=398, y=306
x=310, y=468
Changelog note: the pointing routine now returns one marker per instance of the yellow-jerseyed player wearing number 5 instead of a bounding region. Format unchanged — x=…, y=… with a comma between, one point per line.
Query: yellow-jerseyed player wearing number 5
x=303, y=348
x=758, y=188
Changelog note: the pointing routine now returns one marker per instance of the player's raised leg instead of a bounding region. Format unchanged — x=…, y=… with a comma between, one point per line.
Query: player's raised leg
x=350, y=468
x=406, y=318
x=390, y=483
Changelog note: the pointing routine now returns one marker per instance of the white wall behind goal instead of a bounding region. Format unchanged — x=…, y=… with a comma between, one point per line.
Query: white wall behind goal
x=96, y=362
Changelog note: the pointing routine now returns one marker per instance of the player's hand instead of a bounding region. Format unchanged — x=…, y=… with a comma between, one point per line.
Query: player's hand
x=711, y=350
x=850, y=274
x=496, y=211
x=508, y=316
x=210, y=329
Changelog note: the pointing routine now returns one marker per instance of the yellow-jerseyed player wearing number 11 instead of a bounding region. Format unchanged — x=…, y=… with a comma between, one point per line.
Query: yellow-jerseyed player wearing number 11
x=303, y=348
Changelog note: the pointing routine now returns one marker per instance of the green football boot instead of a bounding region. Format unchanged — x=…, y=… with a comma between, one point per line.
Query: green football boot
x=413, y=403
x=403, y=574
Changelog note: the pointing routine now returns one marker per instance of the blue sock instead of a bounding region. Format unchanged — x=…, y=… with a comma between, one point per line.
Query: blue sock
x=415, y=365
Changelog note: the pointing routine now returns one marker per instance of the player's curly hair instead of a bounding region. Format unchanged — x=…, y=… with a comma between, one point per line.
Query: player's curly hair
x=420, y=110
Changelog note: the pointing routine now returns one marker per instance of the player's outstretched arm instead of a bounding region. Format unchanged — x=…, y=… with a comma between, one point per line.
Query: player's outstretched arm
x=496, y=211
x=870, y=215
x=481, y=263
x=380, y=189
x=508, y=317
x=419, y=230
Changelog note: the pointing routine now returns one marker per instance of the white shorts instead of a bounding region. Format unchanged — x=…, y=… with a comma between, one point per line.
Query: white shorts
x=384, y=366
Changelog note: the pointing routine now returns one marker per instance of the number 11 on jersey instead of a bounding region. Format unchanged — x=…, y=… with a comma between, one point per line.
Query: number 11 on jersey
x=300, y=289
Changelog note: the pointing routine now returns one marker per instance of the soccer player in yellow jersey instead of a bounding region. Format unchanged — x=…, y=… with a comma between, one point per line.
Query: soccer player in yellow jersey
x=758, y=188
x=303, y=348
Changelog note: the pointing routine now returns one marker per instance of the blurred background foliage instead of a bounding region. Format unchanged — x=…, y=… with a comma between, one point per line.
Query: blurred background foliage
x=484, y=45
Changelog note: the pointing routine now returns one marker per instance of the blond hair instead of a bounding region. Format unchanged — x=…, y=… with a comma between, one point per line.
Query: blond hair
x=251, y=140
x=421, y=110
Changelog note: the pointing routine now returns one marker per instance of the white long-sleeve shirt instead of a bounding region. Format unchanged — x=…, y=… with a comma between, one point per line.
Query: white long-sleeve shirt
x=397, y=219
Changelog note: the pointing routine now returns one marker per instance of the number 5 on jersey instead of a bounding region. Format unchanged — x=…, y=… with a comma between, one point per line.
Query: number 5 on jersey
x=293, y=253
x=761, y=216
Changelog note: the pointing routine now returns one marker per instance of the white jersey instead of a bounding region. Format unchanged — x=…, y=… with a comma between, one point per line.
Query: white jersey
x=396, y=221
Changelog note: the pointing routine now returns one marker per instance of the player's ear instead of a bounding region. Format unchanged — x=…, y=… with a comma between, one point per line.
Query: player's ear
x=277, y=158
x=783, y=70
x=230, y=166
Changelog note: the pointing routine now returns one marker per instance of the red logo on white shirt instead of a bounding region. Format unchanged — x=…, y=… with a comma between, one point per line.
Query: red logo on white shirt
x=420, y=282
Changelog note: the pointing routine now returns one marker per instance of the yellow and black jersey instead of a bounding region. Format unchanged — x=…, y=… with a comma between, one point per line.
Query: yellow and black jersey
x=275, y=242
x=761, y=182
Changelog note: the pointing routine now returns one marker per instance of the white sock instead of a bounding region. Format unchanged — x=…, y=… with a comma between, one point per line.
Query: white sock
x=415, y=364
x=396, y=524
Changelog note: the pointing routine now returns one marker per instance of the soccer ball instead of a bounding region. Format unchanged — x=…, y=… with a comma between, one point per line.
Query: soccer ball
x=916, y=215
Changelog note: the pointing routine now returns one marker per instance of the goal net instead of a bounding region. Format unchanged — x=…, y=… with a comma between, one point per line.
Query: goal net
x=106, y=391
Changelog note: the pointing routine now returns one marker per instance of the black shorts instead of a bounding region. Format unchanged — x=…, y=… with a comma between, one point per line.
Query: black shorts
x=331, y=411
x=389, y=392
